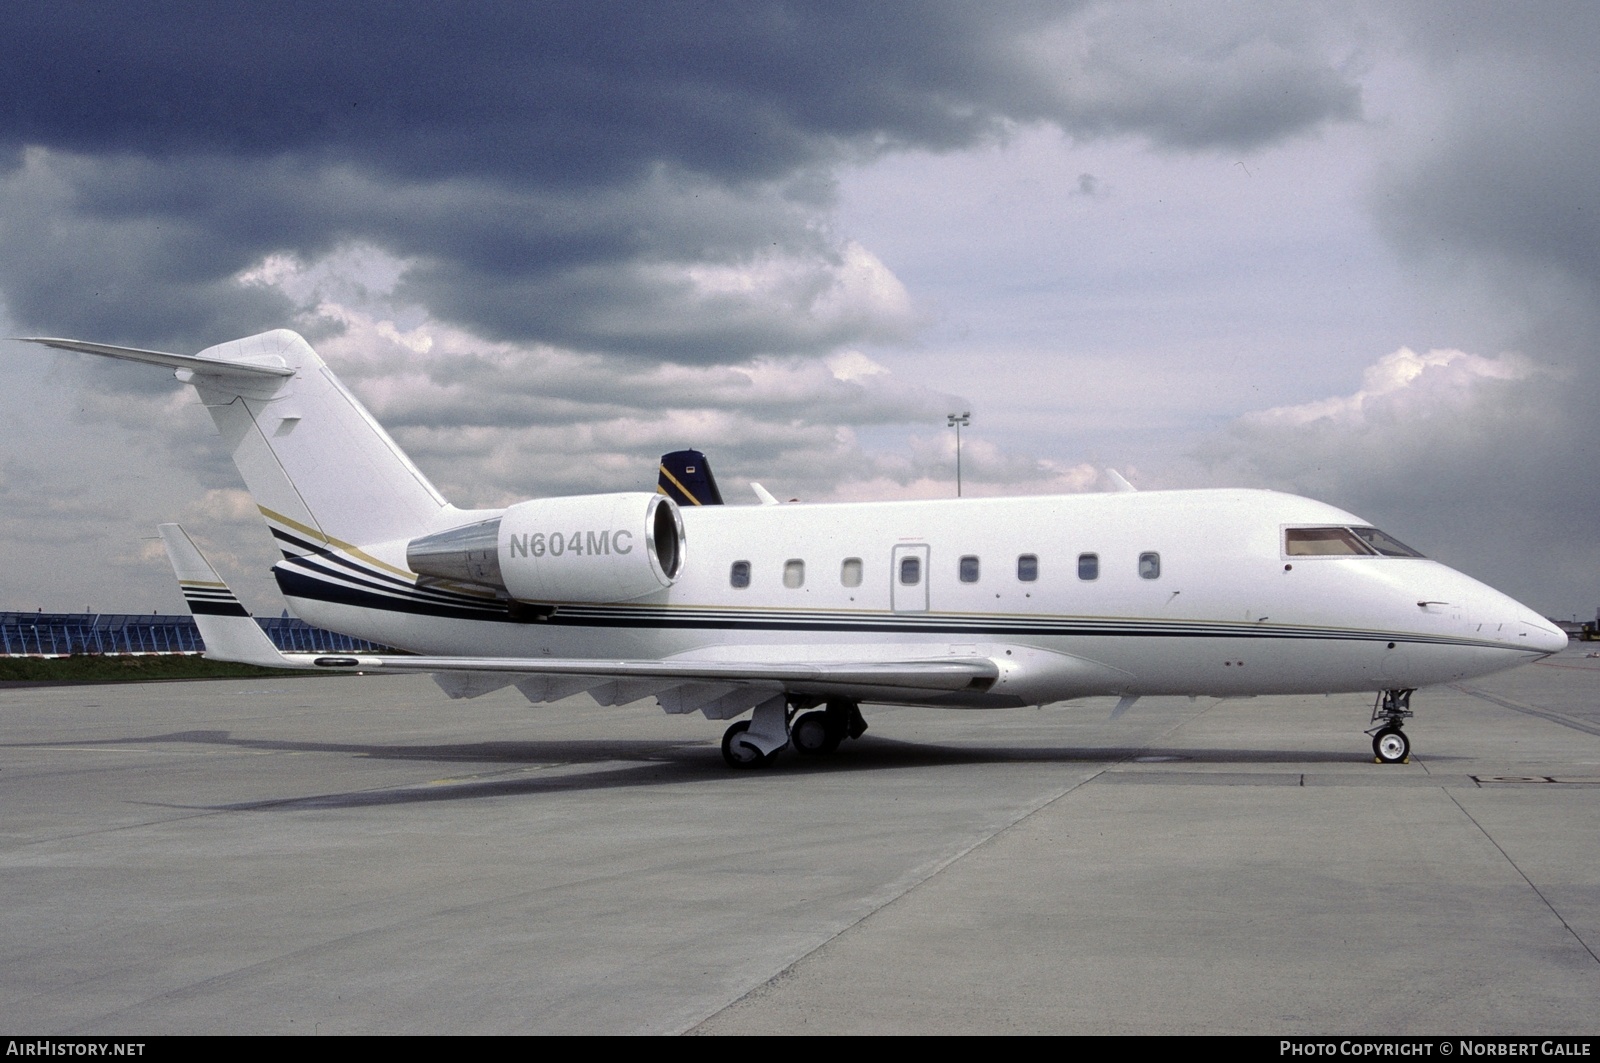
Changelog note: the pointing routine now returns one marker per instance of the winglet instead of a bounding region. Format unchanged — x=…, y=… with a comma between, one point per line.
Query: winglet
x=1118, y=481
x=229, y=631
x=763, y=494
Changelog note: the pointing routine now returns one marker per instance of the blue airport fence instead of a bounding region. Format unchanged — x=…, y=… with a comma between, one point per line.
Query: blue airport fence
x=61, y=634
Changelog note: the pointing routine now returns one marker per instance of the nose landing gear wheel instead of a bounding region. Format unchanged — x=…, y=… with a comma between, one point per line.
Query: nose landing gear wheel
x=1391, y=746
x=741, y=754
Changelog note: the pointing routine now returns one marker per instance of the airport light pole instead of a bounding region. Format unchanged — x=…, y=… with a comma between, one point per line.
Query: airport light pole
x=959, y=421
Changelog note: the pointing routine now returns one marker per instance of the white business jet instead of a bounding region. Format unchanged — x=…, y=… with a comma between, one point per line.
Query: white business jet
x=803, y=612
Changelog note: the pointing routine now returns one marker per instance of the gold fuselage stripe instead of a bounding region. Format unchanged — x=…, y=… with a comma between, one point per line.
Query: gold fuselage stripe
x=349, y=548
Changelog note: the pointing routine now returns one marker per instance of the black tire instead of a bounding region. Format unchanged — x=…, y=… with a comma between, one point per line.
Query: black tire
x=1391, y=746
x=812, y=735
x=739, y=754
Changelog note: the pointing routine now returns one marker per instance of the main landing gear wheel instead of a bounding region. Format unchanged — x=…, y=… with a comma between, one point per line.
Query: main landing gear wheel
x=739, y=753
x=813, y=734
x=1391, y=746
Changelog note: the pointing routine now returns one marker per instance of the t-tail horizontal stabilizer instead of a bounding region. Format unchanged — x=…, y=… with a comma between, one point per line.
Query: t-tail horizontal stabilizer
x=267, y=367
x=229, y=631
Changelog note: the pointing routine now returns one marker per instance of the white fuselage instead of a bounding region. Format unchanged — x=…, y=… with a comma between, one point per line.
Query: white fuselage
x=1192, y=593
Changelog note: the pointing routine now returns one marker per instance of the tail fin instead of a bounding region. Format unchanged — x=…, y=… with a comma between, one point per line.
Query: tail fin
x=313, y=458
x=686, y=479
x=229, y=631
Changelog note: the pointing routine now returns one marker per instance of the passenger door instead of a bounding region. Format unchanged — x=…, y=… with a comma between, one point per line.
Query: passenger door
x=908, y=578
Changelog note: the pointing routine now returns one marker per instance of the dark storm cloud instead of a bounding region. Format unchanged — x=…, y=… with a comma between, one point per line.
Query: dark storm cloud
x=556, y=92
x=1501, y=195
x=1203, y=76
x=552, y=171
x=1489, y=190
x=150, y=275
x=1508, y=170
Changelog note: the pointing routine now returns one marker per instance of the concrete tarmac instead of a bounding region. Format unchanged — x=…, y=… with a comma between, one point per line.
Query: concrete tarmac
x=344, y=855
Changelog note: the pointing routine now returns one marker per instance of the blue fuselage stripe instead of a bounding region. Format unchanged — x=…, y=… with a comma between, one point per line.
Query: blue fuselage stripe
x=300, y=584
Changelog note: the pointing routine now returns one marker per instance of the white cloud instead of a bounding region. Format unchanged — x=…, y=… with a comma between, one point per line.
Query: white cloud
x=495, y=422
x=1402, y=383
x=1458, y=454
x=853, y=365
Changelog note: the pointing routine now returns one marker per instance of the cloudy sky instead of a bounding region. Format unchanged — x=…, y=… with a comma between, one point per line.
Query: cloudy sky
x=1346, y=250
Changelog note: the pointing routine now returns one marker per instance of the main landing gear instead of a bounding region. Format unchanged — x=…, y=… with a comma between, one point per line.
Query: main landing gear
x=1389, y=713
x=756, y=742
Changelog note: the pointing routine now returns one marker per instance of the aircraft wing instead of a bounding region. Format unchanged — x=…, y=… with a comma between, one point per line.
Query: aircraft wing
x=933, y=674
x=720, y=689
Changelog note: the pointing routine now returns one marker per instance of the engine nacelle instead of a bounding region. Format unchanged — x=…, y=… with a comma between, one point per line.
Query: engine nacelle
x=586, y=548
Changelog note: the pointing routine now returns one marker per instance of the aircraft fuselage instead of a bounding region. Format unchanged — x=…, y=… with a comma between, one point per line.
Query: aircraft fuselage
x=1159, y=592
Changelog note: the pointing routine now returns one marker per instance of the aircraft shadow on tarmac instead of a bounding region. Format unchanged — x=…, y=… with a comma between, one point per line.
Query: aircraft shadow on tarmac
x=508, y=769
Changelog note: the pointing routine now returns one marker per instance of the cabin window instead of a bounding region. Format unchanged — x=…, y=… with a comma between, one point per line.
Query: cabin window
x=910, y=571
x=1088, y=566
x=1028, y=567
x=739, y=575
x=794, y=573
x=850, y=572
x=1149, y=566
x=969, y=569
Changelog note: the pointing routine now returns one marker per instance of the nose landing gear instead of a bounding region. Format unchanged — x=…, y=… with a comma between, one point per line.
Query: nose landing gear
x=1389, y=713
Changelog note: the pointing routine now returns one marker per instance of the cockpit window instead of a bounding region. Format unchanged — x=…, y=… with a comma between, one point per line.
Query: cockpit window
x=1306, y=542
x=1386, y=545
x=1343, y=542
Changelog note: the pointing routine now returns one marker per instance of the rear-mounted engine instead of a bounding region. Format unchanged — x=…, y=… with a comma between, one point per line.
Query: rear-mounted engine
x=587, y=548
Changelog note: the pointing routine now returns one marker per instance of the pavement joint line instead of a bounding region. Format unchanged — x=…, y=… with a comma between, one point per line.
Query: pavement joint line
x=1383, y=778
x=300, y=952
x=141, y=825
x=932, y=872
x=1536, y=891
x=937, y=869
x=151, y=752
x=1516, y=706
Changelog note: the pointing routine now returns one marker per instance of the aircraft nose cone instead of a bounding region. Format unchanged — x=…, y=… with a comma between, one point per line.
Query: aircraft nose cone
x=1544, y=636
x=1504, y=619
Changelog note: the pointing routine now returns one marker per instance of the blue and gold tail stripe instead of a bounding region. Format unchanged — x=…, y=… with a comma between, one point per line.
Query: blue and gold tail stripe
x=685, y=477
x=206, y=598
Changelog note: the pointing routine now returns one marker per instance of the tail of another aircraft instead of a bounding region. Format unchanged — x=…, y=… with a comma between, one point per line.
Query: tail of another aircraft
x=320, y=469
x=686, y=479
